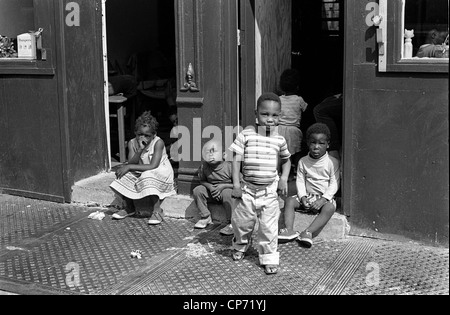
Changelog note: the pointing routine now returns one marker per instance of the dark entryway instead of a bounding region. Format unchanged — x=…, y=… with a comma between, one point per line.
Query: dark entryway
x=141, y=47
x=318, y=51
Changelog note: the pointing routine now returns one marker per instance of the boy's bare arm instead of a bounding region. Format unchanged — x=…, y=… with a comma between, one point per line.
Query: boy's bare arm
x=207, y=185
x=237, y=191
x=227, y=186
x=285, y=169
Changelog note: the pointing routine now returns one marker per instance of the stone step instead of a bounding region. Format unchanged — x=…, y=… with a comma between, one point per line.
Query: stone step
x=184, y=207
x=95, y=191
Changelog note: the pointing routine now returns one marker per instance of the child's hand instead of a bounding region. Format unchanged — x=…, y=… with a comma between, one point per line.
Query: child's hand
x=283, y=187
x=318, y=204
x=305, y=203
x=236, y=193
x=142, y=143
x=216, y=192
x=122, y=171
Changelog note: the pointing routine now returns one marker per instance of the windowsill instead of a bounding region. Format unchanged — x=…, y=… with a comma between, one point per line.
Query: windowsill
x=12, y=59
x=26, y=66
x=426, y=60
x=424, y=65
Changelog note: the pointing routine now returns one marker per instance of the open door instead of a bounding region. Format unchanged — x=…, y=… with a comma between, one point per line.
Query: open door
x=265, y=50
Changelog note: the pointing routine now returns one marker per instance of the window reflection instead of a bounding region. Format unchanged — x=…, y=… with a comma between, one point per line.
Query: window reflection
x=430, y=21
x=16, y=17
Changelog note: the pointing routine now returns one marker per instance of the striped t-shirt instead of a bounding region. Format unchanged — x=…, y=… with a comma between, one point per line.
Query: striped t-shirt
x=261, y=155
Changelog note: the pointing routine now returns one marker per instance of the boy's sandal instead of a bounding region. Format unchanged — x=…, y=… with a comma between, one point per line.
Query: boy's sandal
x=237, y=256
x=271, y=269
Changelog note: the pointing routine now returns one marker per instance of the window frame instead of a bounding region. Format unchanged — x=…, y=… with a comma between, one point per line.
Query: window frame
x=392, y=11
x=338, y=19
x=42, y=66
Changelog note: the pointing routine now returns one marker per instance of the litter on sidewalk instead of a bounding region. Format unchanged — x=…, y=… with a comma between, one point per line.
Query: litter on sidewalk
x=98, y=215
x=136, y=254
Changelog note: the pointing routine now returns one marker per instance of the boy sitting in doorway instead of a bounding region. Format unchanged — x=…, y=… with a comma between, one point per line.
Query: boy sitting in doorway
x=317, y=183
x=216, y=185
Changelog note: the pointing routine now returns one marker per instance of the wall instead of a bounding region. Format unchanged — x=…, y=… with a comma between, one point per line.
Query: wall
x=396, y=174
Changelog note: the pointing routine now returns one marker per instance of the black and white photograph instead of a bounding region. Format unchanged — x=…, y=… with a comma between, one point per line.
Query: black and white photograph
x=224, y=154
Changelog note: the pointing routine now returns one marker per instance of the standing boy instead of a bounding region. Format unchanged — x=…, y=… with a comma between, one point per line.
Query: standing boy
x=260, y=150
x=216, y=185
x=317, y=183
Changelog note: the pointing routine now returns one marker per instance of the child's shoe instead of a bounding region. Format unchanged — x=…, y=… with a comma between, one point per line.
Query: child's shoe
x=286, y=235
x=305, y=239
x=228, y=230
x=122, y=214
x=155, y=219
x=203, y=223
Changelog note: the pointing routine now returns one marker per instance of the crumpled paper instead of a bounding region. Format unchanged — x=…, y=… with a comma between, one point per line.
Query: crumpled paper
x=136, y=254
x=98, y=215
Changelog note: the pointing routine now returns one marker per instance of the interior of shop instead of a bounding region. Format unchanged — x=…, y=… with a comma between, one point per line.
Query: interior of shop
x=318, y=53
x=141, y=63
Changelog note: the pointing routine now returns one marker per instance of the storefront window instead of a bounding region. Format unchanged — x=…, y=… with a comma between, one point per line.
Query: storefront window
x=413, y=36
x=16, y=17
x=427, y=25
x=24, y=45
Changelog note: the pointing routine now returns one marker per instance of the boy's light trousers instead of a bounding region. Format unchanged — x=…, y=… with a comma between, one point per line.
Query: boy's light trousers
x=258, y=205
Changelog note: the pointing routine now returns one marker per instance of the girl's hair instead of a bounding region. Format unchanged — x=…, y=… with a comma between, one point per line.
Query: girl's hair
x=268, y=97
x=318, y=128
x=290, y=81
x=146, y=120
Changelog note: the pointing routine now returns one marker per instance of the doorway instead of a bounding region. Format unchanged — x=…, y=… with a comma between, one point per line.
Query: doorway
x=318, y=52
x=141, y=57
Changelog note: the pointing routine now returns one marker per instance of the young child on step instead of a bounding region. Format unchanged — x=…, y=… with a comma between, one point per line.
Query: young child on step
x=147, y=174
x=259, y=150
x=292, y=107
x=216, y=185
x=317, y=183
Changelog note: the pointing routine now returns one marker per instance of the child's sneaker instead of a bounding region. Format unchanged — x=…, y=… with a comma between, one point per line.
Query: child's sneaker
x=228, y=230
x=202, y=223
x=122, y=214
x=305, y=239
x=286, y=235
x=155, y=219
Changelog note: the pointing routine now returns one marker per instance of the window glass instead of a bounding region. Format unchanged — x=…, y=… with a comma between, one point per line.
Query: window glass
x=429, y=21
x=16, y=17
x=330, y=15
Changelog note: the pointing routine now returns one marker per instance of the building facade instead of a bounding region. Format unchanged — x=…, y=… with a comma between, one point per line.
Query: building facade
x=54, y=109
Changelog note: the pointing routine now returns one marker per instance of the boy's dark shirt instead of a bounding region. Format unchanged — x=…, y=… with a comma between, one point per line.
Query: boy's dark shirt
x=222, y=174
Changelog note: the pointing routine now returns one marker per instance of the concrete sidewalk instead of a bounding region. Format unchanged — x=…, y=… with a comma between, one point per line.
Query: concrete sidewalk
x=48, y=248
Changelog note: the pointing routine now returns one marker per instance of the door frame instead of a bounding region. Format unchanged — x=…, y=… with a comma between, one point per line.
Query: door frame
x=247, y=26
x=105, y=85
x=347, y=118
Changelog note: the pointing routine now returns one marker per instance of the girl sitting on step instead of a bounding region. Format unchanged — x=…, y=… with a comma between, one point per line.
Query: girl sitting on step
x=148, y=174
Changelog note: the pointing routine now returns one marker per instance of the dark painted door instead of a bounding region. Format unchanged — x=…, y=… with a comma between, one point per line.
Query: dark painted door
x=30, y=131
